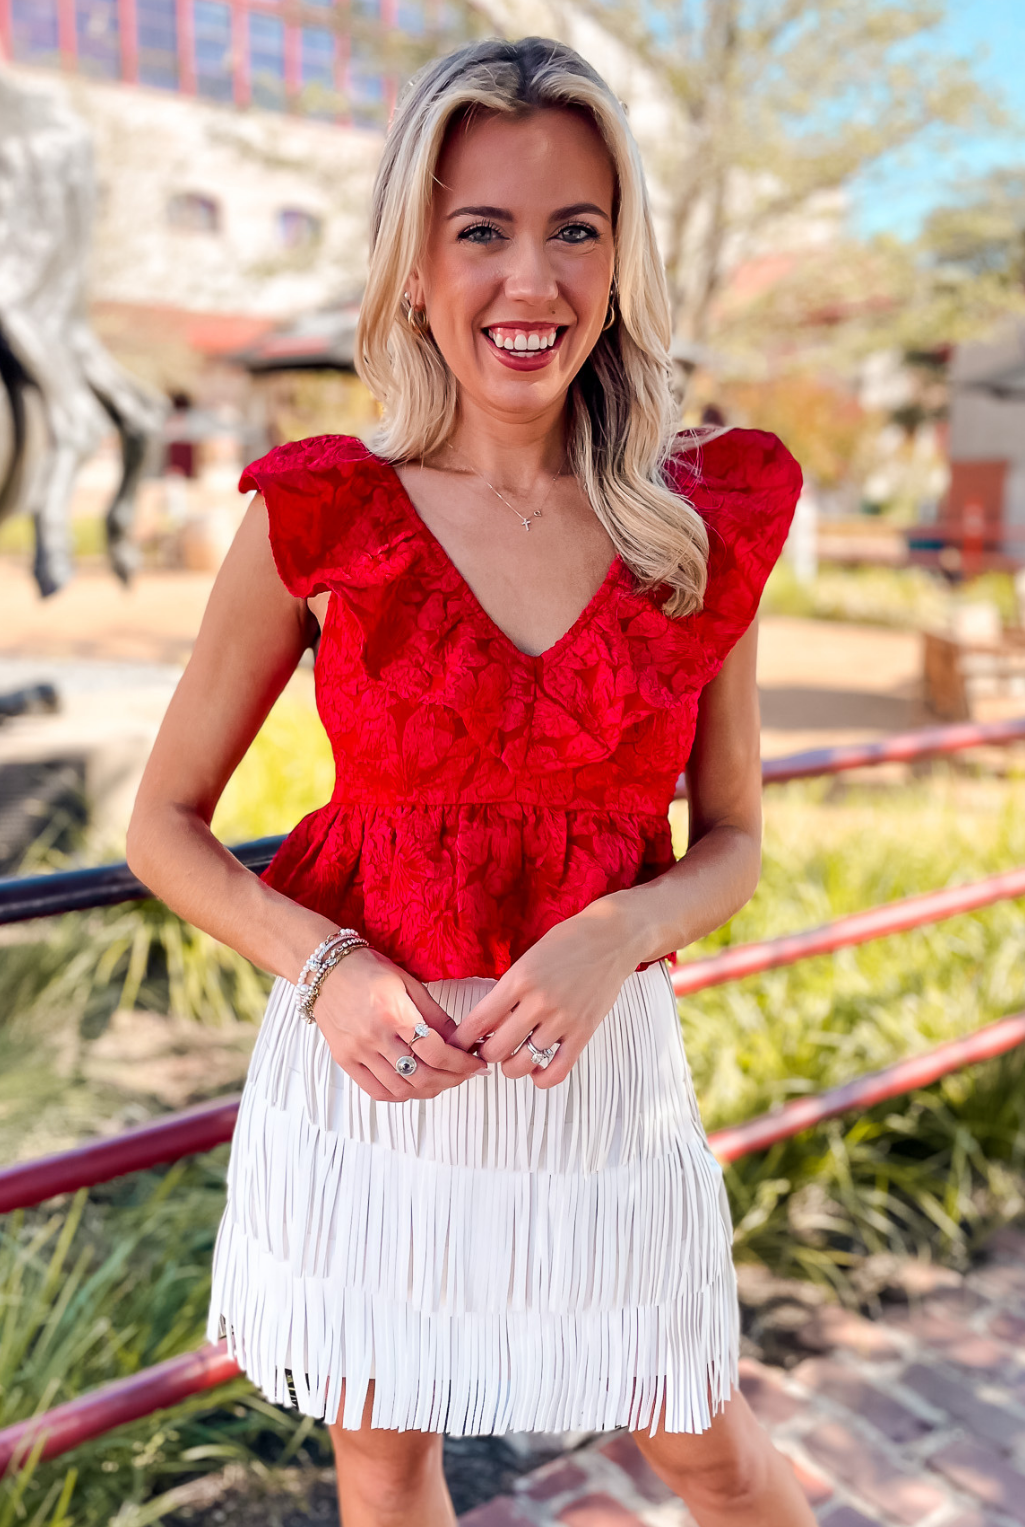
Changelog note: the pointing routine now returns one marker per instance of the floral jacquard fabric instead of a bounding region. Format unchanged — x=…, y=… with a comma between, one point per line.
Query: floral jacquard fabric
x=483, y=795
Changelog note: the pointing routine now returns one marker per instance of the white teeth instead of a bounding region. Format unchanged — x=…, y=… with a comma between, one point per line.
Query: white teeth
x=522, y=340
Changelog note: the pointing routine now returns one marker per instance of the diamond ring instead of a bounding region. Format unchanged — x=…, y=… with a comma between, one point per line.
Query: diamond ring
x=421, y=1031
x=541, y=1058
x=406, y=1065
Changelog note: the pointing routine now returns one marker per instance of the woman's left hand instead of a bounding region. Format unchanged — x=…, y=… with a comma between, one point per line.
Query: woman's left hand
x=556, y=993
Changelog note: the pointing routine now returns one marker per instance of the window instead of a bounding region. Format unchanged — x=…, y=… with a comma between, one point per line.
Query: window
x=298, y=229
x=212, y=24
x=158, y=43
x=34, y=35
x=267, y=59
x=194, y=213
x=366, y=88
x=97, y=38
x=410, y=17
x=318, y=96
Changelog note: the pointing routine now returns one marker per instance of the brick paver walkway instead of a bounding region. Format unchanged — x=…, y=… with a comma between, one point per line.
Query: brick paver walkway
x=914, y=1419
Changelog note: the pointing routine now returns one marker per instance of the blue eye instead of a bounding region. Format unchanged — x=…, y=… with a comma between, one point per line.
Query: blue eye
x=586, y=229
x=485, y=228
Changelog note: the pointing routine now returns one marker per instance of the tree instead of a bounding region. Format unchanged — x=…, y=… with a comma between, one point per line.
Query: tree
x=774, y=107
x=983, y=235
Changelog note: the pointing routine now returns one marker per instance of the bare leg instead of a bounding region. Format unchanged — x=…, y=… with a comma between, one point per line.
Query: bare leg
x=390, y=1479
x=731, y=1475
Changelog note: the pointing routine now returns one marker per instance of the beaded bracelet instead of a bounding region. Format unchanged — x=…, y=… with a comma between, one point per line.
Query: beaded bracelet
x=324, y=958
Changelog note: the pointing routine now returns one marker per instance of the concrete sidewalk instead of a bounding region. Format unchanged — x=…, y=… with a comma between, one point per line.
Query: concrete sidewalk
x=916, y=1419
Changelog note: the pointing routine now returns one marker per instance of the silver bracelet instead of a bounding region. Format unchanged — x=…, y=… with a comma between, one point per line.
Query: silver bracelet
x=316, y=959
x=324, y=958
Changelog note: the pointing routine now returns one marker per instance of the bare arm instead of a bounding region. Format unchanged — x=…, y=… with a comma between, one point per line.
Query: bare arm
x=720, y=869
x=559, y=991
x=252, y=636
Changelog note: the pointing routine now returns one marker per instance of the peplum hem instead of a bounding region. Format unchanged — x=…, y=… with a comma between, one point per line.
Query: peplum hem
x=457, y=890
x=426, y=699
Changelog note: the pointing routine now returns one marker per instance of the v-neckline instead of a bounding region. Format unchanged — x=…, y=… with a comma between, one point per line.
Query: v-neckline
x=431, y=540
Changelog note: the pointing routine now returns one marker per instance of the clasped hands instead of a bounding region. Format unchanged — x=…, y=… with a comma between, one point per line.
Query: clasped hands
x=557, y=993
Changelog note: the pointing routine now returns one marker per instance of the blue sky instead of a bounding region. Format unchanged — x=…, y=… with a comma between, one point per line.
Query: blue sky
x=896, y=199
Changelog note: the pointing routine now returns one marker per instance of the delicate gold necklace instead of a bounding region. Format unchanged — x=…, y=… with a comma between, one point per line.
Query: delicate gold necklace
x=526, y=520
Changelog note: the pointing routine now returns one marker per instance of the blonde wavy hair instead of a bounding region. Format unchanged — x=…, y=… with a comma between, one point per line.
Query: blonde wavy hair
x=622, y=419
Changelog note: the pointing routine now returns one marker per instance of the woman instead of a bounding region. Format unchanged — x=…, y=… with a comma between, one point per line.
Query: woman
x=473, y=1193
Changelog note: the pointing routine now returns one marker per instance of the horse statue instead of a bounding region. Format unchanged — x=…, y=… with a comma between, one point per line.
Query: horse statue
x=60, y=389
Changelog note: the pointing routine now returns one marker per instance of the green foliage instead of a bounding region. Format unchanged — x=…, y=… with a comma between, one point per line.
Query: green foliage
x=88, y=539
x=105, y=1285
x=983, y=234
x=926, y=1175
x=287, y=773
x=111, y=1284
x=777, y=104
x=89, y=964
x=908, y=597
x=142, y=955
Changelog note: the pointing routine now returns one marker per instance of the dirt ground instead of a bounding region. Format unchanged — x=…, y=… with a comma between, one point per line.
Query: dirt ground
x=821, y=682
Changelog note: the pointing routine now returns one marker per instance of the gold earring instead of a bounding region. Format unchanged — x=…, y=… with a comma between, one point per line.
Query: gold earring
x=416, y=317
x=610, y=317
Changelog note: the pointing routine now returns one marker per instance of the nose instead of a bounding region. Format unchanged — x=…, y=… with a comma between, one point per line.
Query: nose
x=530, y=277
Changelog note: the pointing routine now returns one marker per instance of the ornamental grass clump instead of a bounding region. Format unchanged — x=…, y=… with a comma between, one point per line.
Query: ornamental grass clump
x=927, y=1174
x=81, y=967
x=102, y=1285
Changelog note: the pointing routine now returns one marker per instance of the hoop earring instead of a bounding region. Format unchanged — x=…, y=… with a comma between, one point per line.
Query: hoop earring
x=416, y=317
x=610, y=317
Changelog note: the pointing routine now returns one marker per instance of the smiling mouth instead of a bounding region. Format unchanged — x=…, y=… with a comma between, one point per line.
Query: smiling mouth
x=523, y=341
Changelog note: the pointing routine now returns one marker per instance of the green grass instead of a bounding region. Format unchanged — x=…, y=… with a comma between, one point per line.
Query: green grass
x=89, y=964
x=929, y=1176
x=907, y=597
x=111, y=1284
x=88, y=539
x=287, y=772
x=92, y=1290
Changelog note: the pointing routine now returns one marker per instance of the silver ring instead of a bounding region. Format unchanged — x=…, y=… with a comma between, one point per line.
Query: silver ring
x=406, y=1065
x=541, y=1058
x=421, y=1031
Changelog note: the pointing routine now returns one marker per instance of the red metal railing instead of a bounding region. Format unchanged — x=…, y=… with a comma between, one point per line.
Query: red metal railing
x=91, y=1415
x=104, y=885
x=856, y=928
x=210, y=1124
x=166, y=1139
x=738, y=1140
x=901, y=747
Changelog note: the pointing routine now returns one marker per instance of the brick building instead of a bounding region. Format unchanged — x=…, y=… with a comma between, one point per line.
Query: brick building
x=235, y=144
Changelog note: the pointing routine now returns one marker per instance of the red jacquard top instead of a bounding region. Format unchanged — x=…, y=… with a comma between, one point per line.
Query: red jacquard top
x=482, y=795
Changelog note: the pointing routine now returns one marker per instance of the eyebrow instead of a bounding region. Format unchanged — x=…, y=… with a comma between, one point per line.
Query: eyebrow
x=506, y=216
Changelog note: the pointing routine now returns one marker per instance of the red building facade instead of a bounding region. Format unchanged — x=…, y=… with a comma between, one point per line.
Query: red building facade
x=324, y=58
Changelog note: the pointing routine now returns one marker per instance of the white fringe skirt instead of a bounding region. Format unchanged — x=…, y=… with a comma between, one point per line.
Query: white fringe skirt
x=499, y=1258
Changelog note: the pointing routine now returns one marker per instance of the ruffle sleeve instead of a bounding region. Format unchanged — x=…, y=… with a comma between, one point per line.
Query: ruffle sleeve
x=745, y=485
x=305, y=487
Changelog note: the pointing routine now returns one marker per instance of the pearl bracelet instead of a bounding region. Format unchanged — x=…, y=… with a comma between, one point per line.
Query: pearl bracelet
x=324, y=958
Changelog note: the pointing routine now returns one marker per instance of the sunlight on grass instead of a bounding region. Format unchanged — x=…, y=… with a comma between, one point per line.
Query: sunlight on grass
x=287, y=772
x=92, y=1290
x=908, y=597
x=930, y=1173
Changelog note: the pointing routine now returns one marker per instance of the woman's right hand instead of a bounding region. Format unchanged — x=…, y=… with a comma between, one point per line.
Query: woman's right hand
x=367, y=1009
